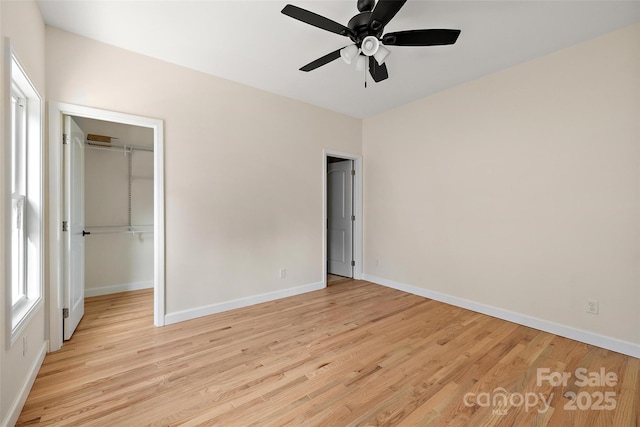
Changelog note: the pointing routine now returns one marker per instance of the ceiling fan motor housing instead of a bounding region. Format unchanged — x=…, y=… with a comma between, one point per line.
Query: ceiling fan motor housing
x=361, y=28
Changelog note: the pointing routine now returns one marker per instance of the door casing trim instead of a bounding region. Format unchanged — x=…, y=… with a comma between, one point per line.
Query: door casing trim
x=54, y=291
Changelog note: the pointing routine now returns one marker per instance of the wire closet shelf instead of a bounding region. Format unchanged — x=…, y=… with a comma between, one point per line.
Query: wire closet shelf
x=127, y=150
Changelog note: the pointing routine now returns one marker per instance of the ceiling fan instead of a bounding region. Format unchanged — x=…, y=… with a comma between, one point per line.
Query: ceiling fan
x=366, y=31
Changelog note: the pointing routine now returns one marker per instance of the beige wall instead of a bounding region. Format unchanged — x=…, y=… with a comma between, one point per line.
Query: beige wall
x=243, y=168
x=519, y=190
x=22, y=22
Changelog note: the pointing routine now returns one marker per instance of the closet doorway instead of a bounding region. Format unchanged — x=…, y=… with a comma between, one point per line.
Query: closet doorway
x=107, y=196
x=118, y=207
x=108, y=199
x=342, y=216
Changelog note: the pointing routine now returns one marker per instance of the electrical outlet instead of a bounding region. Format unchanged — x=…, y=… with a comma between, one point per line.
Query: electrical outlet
x=592, y=306
x=283, y=273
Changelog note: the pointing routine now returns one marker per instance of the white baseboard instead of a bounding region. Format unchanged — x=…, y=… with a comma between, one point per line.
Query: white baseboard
x=207, y=310
x=114, y=289
x=609, y=343
x=21, y=398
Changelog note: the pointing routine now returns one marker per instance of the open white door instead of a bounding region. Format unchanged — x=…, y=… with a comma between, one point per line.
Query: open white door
x=74, y=218
x=340, y=218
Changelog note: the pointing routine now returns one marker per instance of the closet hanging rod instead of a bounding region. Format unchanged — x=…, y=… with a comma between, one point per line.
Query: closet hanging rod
x=119, y=229
x=119, y=148
x=112, y=227
x=132, y=232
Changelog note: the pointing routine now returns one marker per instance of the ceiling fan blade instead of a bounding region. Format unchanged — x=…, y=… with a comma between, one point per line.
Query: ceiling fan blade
x=378, y=72
x=421, y=37
x=316, y=20
x=321, y=61
x=383, y=12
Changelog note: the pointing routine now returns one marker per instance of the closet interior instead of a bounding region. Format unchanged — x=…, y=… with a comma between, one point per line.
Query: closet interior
x=118, y=194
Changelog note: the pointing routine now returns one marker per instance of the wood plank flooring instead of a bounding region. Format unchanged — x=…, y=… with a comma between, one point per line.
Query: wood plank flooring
x=354, y=353
x=333, y=279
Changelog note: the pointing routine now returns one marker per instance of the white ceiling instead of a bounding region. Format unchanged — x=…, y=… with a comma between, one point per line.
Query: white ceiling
x=251, y=42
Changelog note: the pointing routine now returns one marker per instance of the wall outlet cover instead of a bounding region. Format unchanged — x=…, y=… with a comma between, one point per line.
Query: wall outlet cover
x=592, y=306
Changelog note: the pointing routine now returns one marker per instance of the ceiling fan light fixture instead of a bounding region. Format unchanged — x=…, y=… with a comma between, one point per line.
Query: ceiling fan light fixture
x=370, y=45
x=349, y=53
x=360, y=62
x=381, y=55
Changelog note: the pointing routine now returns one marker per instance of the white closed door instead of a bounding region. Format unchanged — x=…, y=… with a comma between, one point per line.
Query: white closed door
x=74, y=217
x=340, y=218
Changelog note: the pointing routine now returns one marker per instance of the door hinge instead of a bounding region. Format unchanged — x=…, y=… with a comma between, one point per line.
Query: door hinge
x=65, y=226
x=353, y=217
x=353, y=263
x=353, y=172
x=65, y=313
x=65, y=139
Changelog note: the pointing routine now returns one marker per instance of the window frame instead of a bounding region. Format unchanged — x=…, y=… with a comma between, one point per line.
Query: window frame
x=18, y=173
x=24, y=184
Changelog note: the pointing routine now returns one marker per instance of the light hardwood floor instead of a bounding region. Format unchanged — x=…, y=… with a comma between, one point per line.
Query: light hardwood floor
x=332, y=279
x=352, y=354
